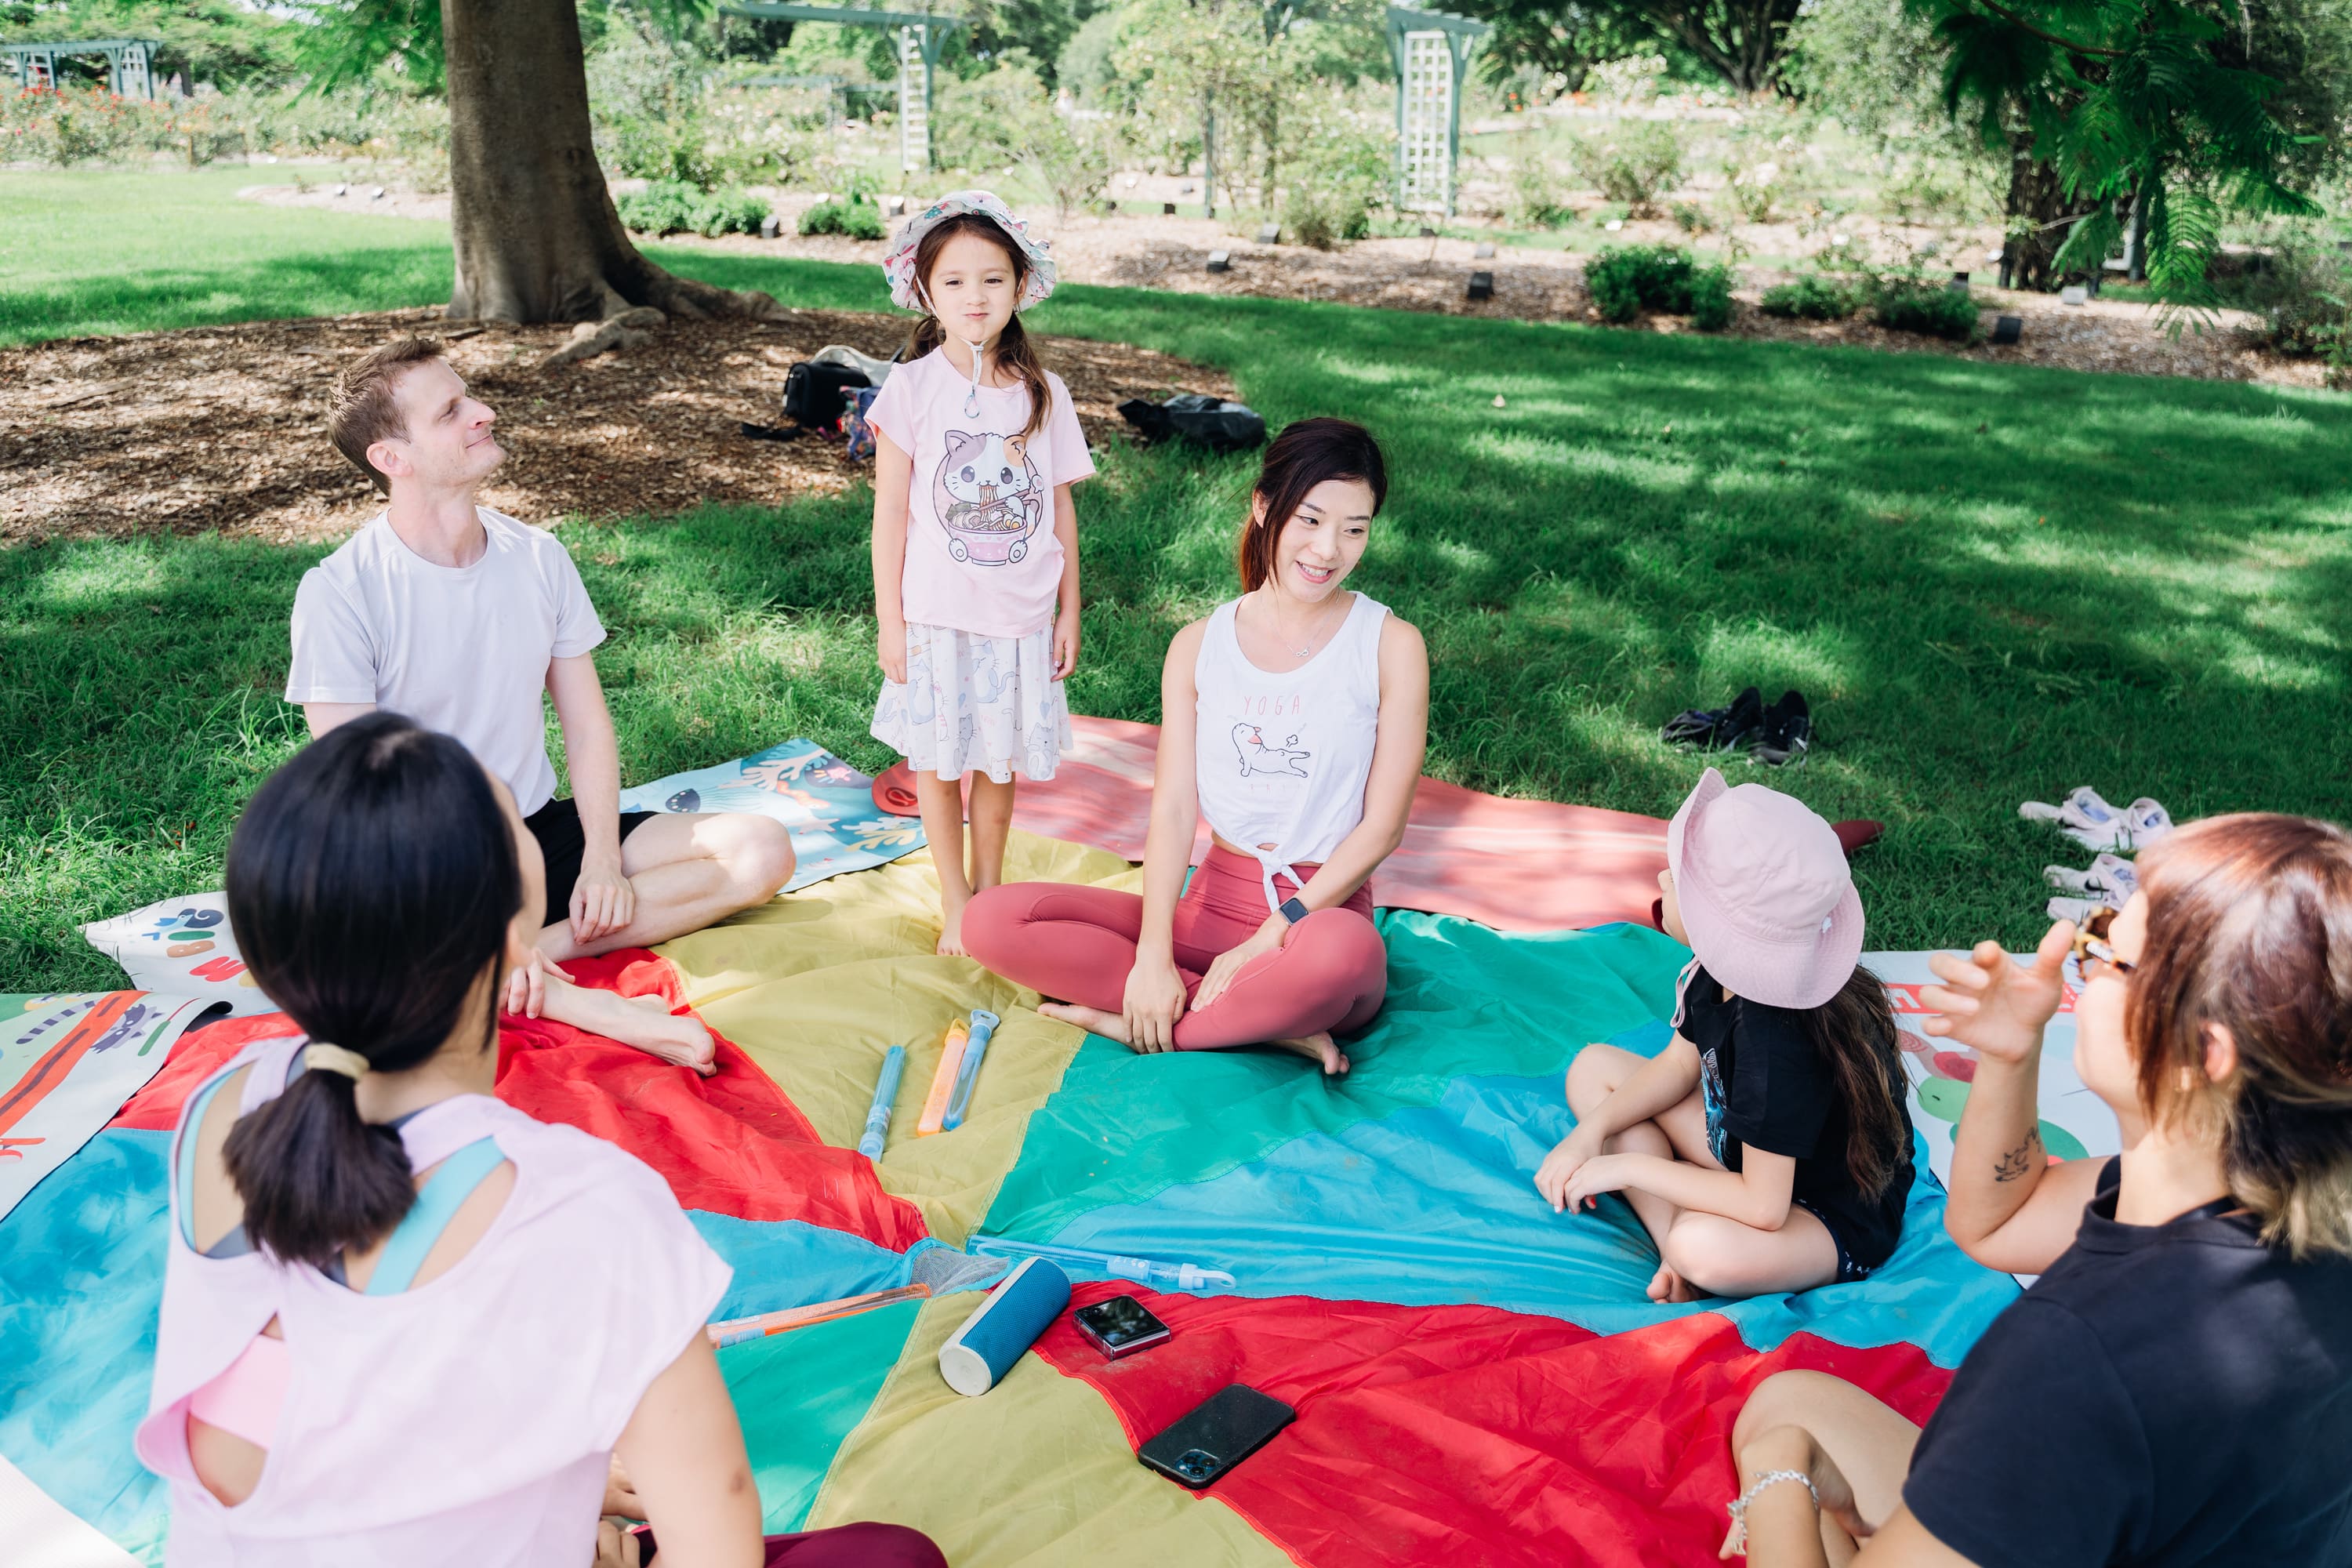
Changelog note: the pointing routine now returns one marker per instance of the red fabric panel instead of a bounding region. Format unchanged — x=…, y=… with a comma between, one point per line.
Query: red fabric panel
x=196, y=1057
x=731, y=1143
x=1467, y=1433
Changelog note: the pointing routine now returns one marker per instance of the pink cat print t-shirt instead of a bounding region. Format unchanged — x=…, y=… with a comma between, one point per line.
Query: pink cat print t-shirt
x=981, y=551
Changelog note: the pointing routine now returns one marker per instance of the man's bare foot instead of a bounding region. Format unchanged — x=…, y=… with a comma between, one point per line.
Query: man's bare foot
x=644, y=1021
x=951, y=931
x=1322, y=1048
x=1093, y=1020
x=1666, y=1288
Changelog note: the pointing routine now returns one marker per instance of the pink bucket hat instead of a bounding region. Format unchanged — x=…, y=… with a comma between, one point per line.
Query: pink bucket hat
x=1764, y=894
x=898, y=266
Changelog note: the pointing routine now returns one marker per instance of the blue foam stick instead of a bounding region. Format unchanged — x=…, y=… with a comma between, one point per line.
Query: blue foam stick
x=983, y=1024
x=977, y=1356
x=885, y=1093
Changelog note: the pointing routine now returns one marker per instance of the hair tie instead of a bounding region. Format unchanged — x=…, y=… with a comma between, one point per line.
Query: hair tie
x=324, y=1058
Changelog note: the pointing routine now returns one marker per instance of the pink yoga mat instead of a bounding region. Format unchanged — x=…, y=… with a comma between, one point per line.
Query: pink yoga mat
x=1515, y=865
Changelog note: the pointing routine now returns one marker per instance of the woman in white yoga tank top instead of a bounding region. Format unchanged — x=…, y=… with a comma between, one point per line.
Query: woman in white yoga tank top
x=1293, y=720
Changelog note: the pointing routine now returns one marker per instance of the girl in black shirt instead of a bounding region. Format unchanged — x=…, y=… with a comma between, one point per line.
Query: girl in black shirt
x=2175, y=1391
x=1766, y=1148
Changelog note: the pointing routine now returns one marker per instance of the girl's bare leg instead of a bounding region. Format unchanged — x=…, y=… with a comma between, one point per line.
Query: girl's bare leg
x=1591, y=1079
x=991, y=824
x=941, y=801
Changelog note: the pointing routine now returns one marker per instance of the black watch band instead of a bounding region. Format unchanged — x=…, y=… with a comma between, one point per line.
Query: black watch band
x=1294, y=911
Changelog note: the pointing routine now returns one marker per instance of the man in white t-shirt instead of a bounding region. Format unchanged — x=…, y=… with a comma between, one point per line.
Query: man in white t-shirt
x=462, y=619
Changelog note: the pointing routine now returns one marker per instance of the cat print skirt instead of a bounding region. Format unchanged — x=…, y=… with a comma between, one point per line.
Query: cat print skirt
x=976, y=704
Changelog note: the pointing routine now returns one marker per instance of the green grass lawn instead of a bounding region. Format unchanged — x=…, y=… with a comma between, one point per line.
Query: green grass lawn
x=1994, y=583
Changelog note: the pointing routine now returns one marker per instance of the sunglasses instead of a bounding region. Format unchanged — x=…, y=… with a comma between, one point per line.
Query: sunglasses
x=2091, y=944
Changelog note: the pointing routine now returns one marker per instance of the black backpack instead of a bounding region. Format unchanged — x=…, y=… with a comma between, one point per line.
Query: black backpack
x=814, y=394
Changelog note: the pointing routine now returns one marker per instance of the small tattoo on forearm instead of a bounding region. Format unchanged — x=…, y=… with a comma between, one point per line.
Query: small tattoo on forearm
x=2019, y=1159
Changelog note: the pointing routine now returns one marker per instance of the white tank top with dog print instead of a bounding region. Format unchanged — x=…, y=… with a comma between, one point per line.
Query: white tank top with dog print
x=1283, y=759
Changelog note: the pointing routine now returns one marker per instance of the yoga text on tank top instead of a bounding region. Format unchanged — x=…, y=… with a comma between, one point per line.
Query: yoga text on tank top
x=1283, y=759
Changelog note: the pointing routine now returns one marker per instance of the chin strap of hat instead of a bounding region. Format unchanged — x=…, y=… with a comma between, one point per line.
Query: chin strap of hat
x=971, y=398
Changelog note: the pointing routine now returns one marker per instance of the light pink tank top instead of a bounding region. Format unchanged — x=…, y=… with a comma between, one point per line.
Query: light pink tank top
x=470, y=1419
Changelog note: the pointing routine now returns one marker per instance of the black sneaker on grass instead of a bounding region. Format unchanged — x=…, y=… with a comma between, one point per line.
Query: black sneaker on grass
x=1786, y=732
x=1741, y=724
x=1707, y=727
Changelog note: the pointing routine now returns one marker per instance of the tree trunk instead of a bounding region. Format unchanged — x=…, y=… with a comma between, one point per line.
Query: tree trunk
x=2036, y=196
x=536, y=236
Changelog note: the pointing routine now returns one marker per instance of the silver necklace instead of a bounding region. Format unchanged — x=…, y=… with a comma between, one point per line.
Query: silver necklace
x=1275, y=614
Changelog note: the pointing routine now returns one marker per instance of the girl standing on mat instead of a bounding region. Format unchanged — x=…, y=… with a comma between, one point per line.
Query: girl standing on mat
x=403, y=1321
x=1293, y=720
x=2175, y=1390
x=975, y=540
x=1766, y=1149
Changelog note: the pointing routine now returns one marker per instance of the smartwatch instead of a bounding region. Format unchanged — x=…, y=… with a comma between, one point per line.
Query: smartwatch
x=1294, y=911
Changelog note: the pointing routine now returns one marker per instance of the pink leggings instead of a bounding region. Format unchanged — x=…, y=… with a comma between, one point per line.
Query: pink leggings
x=1077, y=944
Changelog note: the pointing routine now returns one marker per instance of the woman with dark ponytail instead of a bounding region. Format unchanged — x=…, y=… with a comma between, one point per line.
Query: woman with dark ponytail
x=403, y=1321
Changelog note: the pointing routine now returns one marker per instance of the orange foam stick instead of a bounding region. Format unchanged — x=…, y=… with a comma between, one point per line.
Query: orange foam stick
x=935, y=1109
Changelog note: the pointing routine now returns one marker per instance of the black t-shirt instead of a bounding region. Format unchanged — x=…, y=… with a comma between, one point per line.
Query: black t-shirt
x=1768, y=1088
x=2167, y=1396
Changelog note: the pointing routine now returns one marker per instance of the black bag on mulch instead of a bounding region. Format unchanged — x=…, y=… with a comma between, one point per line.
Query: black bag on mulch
x=1203, y=421
x=814, y=394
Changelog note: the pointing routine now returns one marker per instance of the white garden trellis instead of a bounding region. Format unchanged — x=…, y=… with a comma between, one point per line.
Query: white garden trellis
x=1432, y=50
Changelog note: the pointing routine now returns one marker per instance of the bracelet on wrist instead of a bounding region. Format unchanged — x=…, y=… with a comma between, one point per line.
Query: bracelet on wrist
x=1737, y=1507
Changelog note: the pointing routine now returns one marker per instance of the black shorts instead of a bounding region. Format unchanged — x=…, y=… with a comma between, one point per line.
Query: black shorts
x=561, y=843
x=1851, y=1268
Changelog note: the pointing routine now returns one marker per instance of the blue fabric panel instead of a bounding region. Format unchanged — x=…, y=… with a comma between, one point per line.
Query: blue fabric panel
x=1438, y=1205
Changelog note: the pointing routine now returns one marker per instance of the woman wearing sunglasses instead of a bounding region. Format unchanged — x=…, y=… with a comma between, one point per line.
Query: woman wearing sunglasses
x=2175, y=1388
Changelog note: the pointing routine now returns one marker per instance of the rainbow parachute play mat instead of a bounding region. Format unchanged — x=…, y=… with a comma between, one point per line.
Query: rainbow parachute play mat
x=1476, y=1378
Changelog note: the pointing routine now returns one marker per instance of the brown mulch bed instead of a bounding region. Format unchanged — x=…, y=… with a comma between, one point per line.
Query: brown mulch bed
x=220, y=428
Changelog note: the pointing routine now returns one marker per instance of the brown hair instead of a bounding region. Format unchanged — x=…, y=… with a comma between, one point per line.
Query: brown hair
x=364, y=412
x=1306, y=453
x=1855, y=1033
x=1014, y=351
x=2250, y=928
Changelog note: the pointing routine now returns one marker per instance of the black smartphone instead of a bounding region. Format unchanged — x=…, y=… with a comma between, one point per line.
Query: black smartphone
x=1120, y=1326
x=1220, y=1432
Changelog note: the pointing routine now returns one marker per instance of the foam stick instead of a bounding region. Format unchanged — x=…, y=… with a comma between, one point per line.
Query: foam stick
x=935, y=1109
x=886, y=1092
x=983, y=1025
x=977, y=1356
x=735, y=1331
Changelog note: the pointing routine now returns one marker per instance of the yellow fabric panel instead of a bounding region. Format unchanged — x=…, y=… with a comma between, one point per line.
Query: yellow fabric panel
x=817, y=984
x=1033, y=1474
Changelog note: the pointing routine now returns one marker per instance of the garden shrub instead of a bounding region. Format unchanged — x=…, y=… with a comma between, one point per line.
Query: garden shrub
x=2303, y=292
x=1632, y=164
x=855, y=217
x=1812, y=300
x=1628, y=280
x=675, y=206
x=1690, y=217
x=1537, y=199
x=1910, y=305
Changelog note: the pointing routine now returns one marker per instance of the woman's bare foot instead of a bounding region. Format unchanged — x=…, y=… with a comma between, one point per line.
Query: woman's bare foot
x=644, y=1021
x=1322, y=1048
x=1093, y=1020
x=1666, y=1288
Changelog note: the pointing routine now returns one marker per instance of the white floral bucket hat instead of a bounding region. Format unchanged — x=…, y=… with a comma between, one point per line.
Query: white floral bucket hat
x=899, y=267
